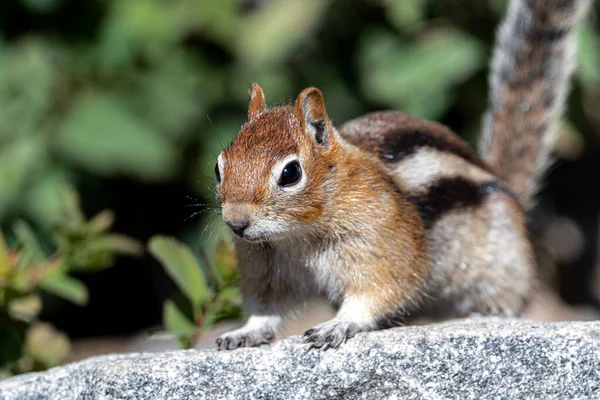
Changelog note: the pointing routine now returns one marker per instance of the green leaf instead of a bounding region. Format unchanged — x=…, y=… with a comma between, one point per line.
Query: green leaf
x=409, y=76
x=219, y=20
x=5, y=266
x=28, y=276
x=29, y=240
x=588, y=55
x=84, y=260
x=98, y=252
x=103, y=137
x=28, y=77
x=73, y=216
x=149, y=28
x=174, y=94
x=277, y=28
x=426, y=104
x=230, y=295
x=404, y=14
x=176, y=321
x=114, y=243
x=101, y=222
x=227, y=306
x=225, y=260
x=47, y=345
x=25, y=308
x=65, y=287
x=181, y=265
x=19, y=160
x=44, y=200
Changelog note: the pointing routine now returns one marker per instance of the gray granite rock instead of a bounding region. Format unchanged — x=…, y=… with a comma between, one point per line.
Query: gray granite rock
x=484, y=358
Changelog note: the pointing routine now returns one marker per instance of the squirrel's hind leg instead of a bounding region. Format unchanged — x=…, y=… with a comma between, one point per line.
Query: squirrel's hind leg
x=483, y=261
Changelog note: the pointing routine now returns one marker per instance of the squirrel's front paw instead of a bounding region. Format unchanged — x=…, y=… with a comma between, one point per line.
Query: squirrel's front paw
x=331, y=333
x=244, y=338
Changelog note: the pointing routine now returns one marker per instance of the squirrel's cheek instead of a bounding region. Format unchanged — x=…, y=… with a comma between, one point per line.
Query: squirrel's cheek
x=308, y=213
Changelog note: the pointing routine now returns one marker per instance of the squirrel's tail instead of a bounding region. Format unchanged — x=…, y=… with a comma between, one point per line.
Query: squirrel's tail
x=529, y=82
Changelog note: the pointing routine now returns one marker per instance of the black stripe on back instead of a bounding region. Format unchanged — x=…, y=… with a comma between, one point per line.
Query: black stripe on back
x=453, y=193
x=397, y=146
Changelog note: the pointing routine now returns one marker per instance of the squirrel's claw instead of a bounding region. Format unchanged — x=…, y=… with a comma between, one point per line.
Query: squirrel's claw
x=330, y=334
x=244, y=338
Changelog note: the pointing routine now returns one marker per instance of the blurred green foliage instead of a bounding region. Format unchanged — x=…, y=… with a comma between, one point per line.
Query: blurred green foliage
x=28, y=271
x=206, y=300
x=133, y=94
x=151, y=90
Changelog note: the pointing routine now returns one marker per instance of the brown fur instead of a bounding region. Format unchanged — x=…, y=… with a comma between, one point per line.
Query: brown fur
x=471, y=270
x=392, y=253
x=261, y=142
x=350, y=234
x=257, y=102
x=377, y=132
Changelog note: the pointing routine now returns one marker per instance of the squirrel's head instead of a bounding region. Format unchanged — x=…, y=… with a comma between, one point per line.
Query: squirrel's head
x=272, y=179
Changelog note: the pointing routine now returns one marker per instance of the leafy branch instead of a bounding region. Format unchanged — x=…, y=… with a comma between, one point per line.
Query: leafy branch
x=208, y=286
x=27, y=270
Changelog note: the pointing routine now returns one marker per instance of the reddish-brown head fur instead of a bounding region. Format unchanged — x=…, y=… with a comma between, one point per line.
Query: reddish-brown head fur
x=251, y=166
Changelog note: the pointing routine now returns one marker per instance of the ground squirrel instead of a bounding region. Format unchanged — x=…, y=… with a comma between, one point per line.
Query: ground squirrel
x=389, y=216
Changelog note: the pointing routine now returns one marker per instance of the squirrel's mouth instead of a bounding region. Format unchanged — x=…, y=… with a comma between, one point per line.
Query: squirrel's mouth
x=262, y=231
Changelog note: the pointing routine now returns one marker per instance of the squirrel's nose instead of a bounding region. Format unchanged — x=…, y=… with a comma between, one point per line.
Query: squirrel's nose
x=238, y=226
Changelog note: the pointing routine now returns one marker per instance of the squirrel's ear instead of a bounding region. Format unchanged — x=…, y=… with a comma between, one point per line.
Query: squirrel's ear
x=257, y=101
x=310, y=110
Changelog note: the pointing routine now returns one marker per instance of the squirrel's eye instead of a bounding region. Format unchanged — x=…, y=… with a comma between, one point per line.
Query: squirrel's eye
x=291, y=174
x=217, y=173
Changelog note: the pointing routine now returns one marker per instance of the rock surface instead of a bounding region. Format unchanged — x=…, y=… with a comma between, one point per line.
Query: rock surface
x=480, y=358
